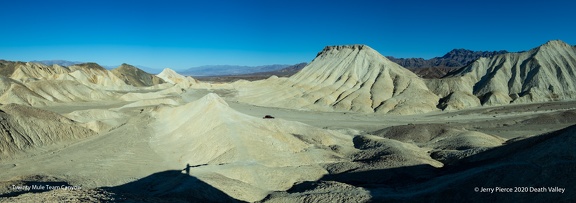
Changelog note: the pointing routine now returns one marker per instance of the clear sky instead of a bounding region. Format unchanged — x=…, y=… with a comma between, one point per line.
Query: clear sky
x=181, y=34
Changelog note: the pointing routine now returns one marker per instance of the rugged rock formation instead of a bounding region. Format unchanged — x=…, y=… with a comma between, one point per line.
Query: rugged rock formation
x=454, y=59
x=438, y=67
x=545, y=73
x=8, y=67
x=432, y=72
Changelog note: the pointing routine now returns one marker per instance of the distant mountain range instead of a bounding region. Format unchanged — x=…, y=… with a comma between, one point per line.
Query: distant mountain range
x=59, y=62
x=220, y=70
x=284, y=72
x=432, y=68
x=70, y=63
x=428, y=68
x=208, y=70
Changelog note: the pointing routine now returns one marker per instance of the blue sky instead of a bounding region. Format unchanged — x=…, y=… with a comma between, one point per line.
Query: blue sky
x=182, y=34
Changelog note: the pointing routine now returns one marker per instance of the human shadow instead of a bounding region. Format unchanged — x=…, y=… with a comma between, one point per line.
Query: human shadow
x=170, y=186
x=187, y=168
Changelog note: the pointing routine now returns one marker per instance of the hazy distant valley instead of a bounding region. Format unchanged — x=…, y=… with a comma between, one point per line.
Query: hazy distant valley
x=432, y=68
x=350, y=126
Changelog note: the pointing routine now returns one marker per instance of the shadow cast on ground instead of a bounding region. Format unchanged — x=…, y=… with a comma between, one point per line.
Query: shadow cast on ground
x=170, y=186
x=524, y=167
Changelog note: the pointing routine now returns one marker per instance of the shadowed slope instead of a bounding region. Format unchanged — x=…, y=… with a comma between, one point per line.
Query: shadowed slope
x=170, y=186
x=547, y=160
x=8, y=67
x=136, y=77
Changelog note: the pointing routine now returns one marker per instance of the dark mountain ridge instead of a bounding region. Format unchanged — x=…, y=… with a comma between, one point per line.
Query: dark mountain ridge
x=453, y=59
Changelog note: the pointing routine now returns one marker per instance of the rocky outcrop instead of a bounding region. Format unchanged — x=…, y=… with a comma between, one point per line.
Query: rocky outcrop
x=453, y=59
x=136, y=77
x=8, y=67
x=545, y=73
x=438, y=67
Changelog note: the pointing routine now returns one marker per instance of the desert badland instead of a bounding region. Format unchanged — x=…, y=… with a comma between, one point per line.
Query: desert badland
x=351, y=126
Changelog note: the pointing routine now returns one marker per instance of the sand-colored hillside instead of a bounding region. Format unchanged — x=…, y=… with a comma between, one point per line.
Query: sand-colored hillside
x=94, y=74
x=25, y=128
x=46, y=92
x=68, y=91
x=17, y=93
x=346, y=78
x=262, y=154
x=170, y=76
x=36, y=71
x=90, y=74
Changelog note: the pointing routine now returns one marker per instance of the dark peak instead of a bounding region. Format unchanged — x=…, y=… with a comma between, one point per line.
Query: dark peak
x=125, y=68
x=8, y=67
x=91, y=65
x=394, y=58
x=460, y=51
x=135, y=76
x=125, y=65
x=11, y=62
x=455, y=58
x=473, y=54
